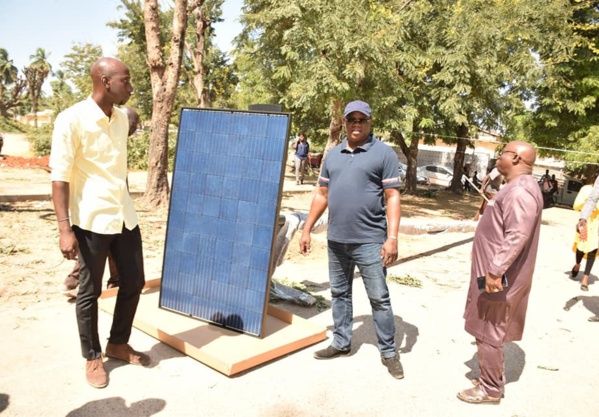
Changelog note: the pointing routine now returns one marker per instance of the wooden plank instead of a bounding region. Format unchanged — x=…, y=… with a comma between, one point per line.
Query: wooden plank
x=224, y=350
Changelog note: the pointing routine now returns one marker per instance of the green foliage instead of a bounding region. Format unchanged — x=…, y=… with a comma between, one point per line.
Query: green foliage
x=133, y=51
x=405, y=280
x=76, y=68
x=40, y=139
x=138, y=150
x=566, y=114
x=12, y=126
x=62, y=94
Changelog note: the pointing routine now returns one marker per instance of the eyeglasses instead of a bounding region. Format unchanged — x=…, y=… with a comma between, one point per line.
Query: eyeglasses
x=504, y=151
x=358, y=121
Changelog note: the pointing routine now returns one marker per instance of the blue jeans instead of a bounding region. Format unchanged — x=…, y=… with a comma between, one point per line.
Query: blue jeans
x=343, y=258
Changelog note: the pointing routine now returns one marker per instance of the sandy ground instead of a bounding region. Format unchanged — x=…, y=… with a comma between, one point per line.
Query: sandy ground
x=550, y=373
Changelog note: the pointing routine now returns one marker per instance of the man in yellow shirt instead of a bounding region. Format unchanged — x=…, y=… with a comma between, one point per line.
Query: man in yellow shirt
x=95, y=212
x=72, y=280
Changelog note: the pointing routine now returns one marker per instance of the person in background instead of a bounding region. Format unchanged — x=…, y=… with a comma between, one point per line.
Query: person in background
x=71, y=282
x=95, y=212
x=489, y=187
x=547, y=189
x=302, y=148
x=505, y=243
x=554, y=188
x=586, y=248
x=359, y=183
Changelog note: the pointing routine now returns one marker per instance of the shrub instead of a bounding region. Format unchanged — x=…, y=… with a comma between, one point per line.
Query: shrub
x=12, y=126
x=138, y=151
x=41, y=139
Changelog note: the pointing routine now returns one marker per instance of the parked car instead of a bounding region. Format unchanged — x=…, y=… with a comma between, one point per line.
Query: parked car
x=567, y=192
x=437, y=174
x=420, y=179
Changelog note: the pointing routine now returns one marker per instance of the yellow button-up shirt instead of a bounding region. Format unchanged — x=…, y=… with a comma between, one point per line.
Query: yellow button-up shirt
x=89, y=151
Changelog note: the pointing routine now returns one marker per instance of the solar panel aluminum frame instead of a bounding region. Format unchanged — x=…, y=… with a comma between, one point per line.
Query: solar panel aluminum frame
x=196, y=296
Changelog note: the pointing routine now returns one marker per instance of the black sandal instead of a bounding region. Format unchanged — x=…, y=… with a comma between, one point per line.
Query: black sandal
x=575, y=272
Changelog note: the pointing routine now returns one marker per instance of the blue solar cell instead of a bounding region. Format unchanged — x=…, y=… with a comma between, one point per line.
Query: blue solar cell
x=229, y=167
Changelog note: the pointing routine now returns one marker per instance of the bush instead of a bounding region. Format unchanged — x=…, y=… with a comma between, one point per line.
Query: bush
x=41, y=139
x=12, y=126
x=138, y=151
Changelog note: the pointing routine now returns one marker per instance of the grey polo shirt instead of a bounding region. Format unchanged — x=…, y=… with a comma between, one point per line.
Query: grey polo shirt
x=356, y=182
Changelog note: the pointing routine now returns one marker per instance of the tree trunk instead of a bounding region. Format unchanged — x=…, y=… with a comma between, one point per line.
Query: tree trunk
x=411, y=154
x=334, y=128
x=164, y=78
x=35, y=77
x=197, y=55
x=11, y=99
x=458, y=164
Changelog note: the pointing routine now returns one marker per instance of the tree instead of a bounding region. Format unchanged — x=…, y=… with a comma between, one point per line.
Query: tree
x=164, y=75
x=565, y=114
x=12, y=86
x=77, y=65
x=62, y=94
x=202, y=15
x=133, y=51
x=448, y=67
x=35, y=75
x=313, y=56
x=481, y=65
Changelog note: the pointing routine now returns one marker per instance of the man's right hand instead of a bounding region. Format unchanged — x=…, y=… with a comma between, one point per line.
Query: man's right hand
x=68, y=244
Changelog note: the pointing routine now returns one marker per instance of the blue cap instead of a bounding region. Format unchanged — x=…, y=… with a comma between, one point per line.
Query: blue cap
x=357, y=105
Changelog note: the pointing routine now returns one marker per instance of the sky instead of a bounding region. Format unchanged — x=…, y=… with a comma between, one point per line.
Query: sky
x=56, y=25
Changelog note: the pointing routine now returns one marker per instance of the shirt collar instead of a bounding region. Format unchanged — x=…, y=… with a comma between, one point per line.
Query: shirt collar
x=95, y=112
x=362, y=148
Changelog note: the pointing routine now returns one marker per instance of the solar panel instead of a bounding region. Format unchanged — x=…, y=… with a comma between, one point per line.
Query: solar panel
x=225, y=200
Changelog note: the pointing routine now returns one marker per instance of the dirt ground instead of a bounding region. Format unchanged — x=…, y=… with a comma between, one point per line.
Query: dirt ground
x=34, y=269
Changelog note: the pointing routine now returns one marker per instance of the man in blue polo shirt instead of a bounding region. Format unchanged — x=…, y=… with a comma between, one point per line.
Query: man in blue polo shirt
x=359, y=183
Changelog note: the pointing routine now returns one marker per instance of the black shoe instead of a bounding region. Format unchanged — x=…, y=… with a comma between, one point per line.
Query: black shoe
x=330, y=353
x=393, y=366
x=575, y=272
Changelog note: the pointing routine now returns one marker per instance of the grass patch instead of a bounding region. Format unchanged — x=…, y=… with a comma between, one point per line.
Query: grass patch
x=13, y=250
x=407, y=280
x=320, y=304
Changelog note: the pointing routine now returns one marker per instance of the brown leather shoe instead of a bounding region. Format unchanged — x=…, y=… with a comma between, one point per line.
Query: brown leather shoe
x=95, y=373
x=126, y=353
x=476, y=395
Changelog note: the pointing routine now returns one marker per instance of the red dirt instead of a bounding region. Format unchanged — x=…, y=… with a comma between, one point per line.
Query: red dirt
x=20, y=162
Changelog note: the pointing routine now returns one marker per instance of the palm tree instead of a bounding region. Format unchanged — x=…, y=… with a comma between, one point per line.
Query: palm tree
x=11, y=86
x=8, y=72
x=36, y=74
x=61, y=92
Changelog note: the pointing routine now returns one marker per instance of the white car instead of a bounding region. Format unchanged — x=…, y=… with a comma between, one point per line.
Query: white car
x=437, y=174
x=420, y=179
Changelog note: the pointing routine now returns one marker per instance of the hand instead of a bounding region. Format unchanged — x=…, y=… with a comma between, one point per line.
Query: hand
x=68, y=244
x=304, y=244
x=582, y=229
x=493, y=283
x=389, y=252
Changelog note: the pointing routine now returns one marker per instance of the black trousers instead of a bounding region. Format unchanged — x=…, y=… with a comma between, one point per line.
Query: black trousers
x=126, y=250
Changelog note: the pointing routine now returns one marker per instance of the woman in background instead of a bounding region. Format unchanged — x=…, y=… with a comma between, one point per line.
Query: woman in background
x=586, y=248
